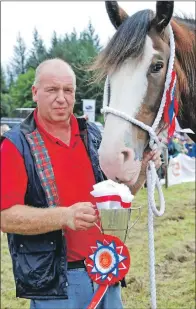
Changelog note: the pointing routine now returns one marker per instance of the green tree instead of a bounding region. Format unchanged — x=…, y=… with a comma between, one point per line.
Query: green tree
x=89, y=48
x=54, y=40
x=21, y=90
x=3, y=81
x=5, y=97
x=6, y=104
x=38, y=53
x=57, y=49
x=19, y=59
x=10, y=76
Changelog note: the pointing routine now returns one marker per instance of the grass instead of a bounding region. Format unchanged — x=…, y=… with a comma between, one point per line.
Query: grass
x=175, y=256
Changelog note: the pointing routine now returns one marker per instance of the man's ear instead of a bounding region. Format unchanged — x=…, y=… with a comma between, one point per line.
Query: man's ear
x=34, y=93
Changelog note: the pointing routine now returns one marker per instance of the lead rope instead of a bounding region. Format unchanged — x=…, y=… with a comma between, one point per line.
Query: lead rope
x=152, y=177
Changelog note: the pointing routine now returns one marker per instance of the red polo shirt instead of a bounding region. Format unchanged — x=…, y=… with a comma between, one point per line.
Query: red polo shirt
x=74, y=179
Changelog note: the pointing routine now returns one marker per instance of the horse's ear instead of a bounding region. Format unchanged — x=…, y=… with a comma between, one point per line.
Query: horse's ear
x=116, y=14
x=164, y=12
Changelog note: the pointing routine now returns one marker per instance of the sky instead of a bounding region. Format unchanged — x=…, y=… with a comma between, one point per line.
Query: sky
x=63, y=17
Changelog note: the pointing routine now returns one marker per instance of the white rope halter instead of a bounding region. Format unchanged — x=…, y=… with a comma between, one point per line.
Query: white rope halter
x=152, y=177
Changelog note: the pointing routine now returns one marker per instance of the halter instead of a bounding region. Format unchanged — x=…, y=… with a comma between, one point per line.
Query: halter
x=152, y=177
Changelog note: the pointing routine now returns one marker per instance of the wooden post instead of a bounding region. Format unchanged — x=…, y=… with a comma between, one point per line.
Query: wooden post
x=166, y=167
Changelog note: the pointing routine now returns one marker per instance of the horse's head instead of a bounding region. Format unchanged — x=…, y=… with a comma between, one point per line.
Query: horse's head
x=135, y=61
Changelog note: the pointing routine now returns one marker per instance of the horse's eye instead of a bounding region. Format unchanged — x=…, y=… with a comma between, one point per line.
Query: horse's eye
x=155, y=68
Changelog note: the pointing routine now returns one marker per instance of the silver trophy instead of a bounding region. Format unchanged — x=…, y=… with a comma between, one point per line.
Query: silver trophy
x=115, y=222
x=113, y=202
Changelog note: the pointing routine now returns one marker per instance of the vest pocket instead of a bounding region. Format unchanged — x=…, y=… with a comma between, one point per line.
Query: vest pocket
x=36, y=263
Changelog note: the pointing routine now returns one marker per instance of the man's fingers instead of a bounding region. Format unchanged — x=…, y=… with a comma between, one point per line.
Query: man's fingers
x=88, y=208
x=148, y=155
x=87, y=211
x=154, y=155
x=82, y=225
x=88, y=218
x=88, y=204
x=158, y=163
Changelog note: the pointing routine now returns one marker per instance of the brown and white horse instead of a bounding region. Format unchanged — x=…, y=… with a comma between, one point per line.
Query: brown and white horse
x=135, y=62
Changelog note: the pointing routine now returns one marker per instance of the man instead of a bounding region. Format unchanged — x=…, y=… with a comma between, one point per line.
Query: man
x=4, y=128
x=49, y=165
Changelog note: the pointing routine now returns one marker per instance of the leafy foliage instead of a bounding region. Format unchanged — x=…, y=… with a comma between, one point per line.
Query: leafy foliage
x=6, y=103
x=38, y=53
x=20, y=91
x=78, y=49
x=3, y=81
x=10, y=76
x=19, y=59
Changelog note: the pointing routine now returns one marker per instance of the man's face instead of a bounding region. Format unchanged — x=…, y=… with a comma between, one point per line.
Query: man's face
x=55, y=94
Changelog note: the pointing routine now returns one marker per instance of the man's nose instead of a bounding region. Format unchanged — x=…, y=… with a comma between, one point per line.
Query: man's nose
x=61, y=96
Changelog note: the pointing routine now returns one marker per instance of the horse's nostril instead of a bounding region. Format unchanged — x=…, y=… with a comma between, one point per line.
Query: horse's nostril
x=126, y=155
x=117, y=180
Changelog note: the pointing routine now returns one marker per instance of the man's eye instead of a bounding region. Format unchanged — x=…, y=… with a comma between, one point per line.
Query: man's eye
x=51, y=90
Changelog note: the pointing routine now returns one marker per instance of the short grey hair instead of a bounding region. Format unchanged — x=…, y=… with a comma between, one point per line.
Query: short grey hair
x=45, y=63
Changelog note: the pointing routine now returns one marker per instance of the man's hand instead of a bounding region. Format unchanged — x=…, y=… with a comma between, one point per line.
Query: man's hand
x=80, y=216
x=155, y=156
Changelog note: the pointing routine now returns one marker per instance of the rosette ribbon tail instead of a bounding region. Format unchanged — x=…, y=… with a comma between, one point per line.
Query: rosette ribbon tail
x=97, y=297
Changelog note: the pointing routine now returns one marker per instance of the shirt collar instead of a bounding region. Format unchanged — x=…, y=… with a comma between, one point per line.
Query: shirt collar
x=74, y=129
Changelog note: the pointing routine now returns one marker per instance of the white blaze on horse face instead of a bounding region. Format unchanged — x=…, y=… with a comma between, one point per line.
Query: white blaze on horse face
x=121, y=151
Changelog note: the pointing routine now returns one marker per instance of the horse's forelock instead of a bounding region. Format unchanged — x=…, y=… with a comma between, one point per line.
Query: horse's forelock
x=128, y=41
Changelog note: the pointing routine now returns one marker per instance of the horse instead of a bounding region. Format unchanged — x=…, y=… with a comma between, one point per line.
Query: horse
x=135, y=62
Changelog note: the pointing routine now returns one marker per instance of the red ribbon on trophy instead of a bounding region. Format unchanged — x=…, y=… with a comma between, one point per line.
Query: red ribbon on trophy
x=113, y=198
x=108, y=262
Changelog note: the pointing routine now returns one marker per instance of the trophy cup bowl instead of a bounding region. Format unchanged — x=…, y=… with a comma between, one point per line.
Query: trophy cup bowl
x=115, y=222
x=113, y=201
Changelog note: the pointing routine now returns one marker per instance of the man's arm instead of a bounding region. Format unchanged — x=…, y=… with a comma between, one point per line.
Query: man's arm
x=21, y=219
x=26, y=220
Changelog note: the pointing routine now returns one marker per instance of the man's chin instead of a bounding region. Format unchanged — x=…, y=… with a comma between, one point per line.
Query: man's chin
x=61, y=118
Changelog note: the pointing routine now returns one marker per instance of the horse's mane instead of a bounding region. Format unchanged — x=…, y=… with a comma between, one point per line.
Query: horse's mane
x=186, y=20
x=185, y=65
